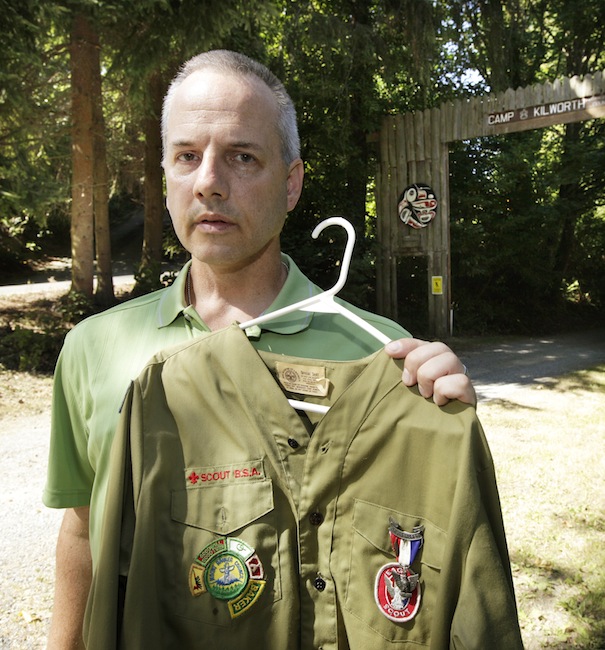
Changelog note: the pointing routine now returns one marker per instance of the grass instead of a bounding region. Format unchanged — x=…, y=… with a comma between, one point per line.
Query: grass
x=547, y=444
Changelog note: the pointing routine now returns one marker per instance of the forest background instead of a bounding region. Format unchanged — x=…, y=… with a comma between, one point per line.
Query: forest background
x=81, y=85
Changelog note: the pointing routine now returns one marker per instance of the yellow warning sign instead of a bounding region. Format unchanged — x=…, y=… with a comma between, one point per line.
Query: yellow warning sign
x=437, y=281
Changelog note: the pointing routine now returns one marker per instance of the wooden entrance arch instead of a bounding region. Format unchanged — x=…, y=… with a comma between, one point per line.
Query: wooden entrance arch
x=414, y=149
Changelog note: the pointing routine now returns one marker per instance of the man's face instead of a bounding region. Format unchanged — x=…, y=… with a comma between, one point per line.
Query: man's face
x=228, y=187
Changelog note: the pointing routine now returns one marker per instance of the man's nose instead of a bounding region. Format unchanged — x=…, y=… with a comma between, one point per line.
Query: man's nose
x=211, y=179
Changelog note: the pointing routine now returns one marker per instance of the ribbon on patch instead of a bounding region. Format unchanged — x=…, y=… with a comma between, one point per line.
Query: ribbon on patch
x=396, y=589
x=406, y=545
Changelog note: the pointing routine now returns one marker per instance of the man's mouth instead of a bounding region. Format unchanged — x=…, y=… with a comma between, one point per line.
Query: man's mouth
x=214, y=223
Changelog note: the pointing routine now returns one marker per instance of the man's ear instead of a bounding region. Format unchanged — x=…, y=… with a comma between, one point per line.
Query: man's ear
x=294, y=182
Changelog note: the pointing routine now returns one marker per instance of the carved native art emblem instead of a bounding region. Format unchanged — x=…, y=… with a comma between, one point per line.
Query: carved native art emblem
x=417, y=205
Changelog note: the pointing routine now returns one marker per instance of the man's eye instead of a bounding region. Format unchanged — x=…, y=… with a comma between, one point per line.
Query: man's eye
x=245, y=158
x=186, y=157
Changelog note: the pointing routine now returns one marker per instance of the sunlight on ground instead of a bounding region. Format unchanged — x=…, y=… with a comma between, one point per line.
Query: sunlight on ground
x=547, y=445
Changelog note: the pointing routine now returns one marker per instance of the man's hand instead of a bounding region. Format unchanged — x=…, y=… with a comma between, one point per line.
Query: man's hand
x=435, y=368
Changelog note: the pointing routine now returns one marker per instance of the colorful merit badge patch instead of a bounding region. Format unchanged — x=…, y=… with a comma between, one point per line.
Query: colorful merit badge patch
x=397, y=590
x=230, y=570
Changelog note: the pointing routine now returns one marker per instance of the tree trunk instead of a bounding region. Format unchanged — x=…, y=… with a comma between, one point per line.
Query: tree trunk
x=82, y=55
x=361, y=79
x=569, y=202
x=104, y=294
x=148, y=277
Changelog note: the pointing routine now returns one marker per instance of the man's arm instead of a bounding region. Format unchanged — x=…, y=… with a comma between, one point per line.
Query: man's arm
x=72, y=581
x=435, y=368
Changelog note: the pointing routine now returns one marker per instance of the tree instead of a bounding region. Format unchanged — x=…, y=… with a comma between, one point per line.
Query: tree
x=345, y=65
x=581, y=37
x=34, y=131
x=90, y=217
x=542, y=184
x=84, y=48
x=104, y=295
x=152, y=252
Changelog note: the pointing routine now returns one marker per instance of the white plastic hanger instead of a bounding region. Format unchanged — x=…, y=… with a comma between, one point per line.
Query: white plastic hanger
x=324, y=302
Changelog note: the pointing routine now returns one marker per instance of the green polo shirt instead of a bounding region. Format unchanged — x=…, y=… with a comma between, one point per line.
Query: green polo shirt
x=105, y=352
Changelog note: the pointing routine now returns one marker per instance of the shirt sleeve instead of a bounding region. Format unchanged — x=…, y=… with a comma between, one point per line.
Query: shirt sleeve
x=478, y=577
x=70, y=475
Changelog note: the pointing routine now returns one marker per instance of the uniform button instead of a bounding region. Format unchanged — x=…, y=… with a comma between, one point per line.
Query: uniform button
x=319, y=584
x=293, y=443
x=316, y=518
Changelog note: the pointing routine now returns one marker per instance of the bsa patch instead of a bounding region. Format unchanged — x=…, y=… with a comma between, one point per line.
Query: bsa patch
x=228, y=569
x=397, y=588
x=397, y=592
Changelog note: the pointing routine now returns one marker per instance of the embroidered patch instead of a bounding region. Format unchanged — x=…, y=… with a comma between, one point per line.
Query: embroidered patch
x=397, y=592
x=228, y=569
x=200, y=476
x=396, y=589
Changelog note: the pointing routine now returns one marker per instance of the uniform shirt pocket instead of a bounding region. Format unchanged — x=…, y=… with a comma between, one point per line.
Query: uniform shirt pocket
x=222, y=509
x=371, y=550
x=202, y=514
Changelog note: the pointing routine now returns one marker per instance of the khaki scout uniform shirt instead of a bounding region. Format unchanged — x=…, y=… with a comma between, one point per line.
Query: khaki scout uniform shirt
x=209, y=449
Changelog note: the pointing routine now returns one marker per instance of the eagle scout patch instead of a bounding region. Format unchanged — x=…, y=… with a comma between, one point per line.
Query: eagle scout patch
x=397, y=588
x=228, y=569
x=397, y=592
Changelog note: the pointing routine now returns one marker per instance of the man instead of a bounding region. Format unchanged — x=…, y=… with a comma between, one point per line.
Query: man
x=233, y=172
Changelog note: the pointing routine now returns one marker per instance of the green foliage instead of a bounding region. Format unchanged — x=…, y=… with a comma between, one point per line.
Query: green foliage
x=147, y=278
x=507, y=219
x=76, y=307
x=589, y=261
x=527, y=211
x=345, y=65
x=34, y=134
x=27, y=350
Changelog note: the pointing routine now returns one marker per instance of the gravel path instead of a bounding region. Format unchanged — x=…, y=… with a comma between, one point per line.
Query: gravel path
x=499, y=367
x=29, y=532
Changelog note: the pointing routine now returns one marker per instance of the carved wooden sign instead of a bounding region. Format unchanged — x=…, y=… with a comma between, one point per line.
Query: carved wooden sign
x=585, y=106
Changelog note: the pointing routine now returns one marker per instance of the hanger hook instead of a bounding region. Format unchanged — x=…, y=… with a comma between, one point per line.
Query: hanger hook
x=348, y=254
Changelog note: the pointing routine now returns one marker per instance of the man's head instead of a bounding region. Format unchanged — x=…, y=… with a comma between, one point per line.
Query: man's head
x=231, y=178
x=229, y=62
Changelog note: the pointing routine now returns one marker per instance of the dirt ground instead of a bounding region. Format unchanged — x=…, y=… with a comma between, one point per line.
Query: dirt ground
x=29, y=529
x=547, y=442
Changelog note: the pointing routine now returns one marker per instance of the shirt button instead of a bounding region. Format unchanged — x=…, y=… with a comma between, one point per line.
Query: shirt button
x=316, y=518
x=293, y=443
x=319, y=584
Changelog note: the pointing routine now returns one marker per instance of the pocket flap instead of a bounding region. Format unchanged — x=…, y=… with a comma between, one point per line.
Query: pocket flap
x=222, y=509
x=371, y=521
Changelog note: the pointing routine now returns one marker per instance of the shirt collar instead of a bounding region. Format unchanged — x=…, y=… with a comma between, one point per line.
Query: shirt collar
x=172, y=302
x=297, y=287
